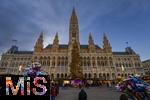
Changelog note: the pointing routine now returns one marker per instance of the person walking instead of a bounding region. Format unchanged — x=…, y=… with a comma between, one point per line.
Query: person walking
x=57, y=88
x=53, y=92
x=82, y=95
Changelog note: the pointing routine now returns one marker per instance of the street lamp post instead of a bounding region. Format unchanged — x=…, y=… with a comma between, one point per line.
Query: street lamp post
x=123, y=71
x=20, y=68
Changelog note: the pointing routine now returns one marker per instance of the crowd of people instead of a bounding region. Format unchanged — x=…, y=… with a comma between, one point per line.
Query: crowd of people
x=54, y=91
x=108, y=84
x=131, y=86
x=82, y=95
x=128, y=87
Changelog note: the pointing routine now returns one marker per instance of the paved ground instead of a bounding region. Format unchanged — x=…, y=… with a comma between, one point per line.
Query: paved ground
x=93, y=94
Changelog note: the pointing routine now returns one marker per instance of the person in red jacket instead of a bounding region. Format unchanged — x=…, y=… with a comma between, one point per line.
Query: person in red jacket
x=53, y=92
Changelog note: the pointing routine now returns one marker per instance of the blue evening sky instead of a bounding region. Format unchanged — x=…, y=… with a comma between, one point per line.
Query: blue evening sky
x=122, y=21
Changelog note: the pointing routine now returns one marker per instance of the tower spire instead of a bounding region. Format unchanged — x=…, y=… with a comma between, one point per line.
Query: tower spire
x=91, y=45
x=39, y=43
x=73, y=11
x=56, y=40
x=56, y=43
x=106, y=44
x=73, y=27
x=91, y=42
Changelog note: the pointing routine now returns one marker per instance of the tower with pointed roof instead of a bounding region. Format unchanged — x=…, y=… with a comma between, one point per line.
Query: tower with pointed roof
x=91, y=45
x=56, y=43
x=39, y=43
x=73, y=28
x=106, y=44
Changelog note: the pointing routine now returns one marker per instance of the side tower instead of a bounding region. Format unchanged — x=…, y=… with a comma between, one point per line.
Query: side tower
x=55, y=45
x=38, y=48
x=39, y=43
x=106, y=45
x=91, y=45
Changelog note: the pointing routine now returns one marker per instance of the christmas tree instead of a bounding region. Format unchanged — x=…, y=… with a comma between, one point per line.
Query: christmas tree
x=75, y=69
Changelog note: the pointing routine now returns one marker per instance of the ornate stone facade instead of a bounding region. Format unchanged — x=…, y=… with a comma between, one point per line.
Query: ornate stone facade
x=146, y=66
x=96, y=62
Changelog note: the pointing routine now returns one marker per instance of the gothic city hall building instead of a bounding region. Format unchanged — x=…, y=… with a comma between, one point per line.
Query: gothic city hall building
x=95, y=61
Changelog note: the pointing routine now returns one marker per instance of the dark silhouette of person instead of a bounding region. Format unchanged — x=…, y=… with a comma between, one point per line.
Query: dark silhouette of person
x=123, y=97
x=82, y=95
x=53, y=92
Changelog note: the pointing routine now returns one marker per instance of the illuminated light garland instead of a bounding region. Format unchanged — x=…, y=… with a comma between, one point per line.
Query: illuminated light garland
x=134, y=87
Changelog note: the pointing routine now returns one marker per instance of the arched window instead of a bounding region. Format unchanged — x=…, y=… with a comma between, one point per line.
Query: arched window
x=98, y=61
x=116, y=64
x=58, y=61
x=65, y=75
x=139, y=65
x=113, y=76
x=84, y=61
x=35, y=58
x=119, y=64
x=89, y=75
x=88, y=61
x=110, y=58
x=53, y=61
x=135, y=64
x=44, y=63
x=93, y=61
x=16, y=64
x=104, y=76
x=6, y=64
x=48, y=63
x=130, y=65
x=52, y=76
x=108, y=76
x=57, y=75
x=102, y=63
x=85, y=75
x=63, y=61
x=100, y=75
x=66, y=61
x=95, y=76
x=105, y=64
x=126, y=75
x=62, y=75
x=126, y=65
x=111, y=63
x=2, y=64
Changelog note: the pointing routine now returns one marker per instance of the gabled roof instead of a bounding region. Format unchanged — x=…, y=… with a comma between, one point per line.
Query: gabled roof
x=121, y=53
x=60, y=46
x=97, y=47
x=65, y=46
x=23, y=52
x=48, y=46
x=146, y=61
x=83, y=46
